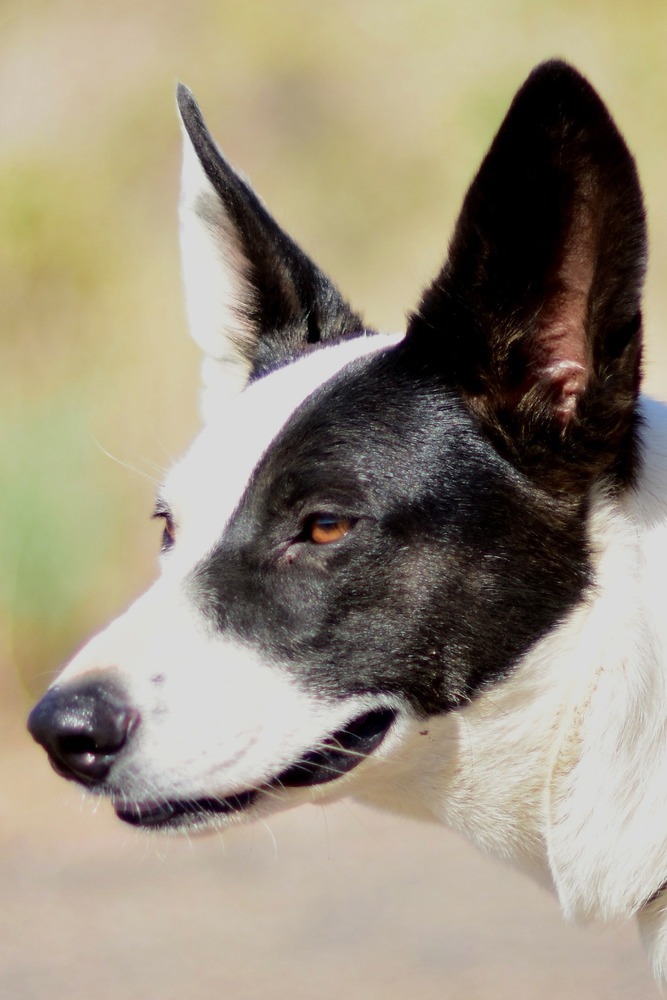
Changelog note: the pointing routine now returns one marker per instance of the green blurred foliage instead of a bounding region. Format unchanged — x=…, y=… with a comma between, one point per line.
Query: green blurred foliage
x=359, y=122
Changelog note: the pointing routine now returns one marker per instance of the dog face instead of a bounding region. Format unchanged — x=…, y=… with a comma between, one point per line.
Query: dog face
x=370, y=531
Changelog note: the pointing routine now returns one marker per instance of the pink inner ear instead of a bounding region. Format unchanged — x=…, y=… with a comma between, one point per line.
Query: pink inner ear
x=568, y=380
x=564, y=360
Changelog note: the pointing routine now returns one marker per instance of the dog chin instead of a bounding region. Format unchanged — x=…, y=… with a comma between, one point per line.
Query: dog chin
x=334, y=757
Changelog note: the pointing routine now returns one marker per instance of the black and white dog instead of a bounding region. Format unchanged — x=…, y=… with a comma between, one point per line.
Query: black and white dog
x=425, y=570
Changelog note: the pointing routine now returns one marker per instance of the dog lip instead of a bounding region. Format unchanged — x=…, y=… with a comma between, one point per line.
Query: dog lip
x=339, y=753
x=172, y=812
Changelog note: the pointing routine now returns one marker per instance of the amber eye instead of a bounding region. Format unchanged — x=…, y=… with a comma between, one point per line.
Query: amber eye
x=325, y=528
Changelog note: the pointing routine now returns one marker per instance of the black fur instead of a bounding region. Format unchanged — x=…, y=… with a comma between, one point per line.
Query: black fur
x=546, y=265
x=456, y=564
x=464, y=457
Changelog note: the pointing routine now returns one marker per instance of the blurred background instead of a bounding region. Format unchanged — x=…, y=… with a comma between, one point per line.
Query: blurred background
x=360, y=122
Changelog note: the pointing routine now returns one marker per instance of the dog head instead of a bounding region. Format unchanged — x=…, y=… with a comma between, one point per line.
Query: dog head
x=370, y=530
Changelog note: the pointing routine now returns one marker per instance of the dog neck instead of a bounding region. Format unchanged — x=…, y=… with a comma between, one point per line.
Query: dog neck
x=562, y=769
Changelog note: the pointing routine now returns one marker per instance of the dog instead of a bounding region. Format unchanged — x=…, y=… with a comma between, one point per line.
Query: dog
x=424, y=570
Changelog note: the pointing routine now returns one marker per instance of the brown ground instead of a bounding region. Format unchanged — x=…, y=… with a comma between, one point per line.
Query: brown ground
x=324, y=904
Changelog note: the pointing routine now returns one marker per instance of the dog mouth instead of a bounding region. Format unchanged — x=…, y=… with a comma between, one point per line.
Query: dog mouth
x=335, y=756
x=182, y=812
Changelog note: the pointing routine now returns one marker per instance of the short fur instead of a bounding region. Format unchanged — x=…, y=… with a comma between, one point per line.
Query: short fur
x=422, y=570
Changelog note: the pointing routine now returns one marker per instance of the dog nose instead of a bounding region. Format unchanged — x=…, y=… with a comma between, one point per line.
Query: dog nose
x=83, y=728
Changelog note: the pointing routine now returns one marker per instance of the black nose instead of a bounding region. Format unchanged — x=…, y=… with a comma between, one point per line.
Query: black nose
x=83, y=727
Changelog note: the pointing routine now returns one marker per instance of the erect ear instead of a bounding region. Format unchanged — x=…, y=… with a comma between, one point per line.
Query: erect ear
x=254, y=300
x=535, y=316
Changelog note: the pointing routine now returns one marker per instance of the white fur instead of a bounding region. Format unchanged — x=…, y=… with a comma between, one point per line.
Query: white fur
x=217, y=719
x=215, y=278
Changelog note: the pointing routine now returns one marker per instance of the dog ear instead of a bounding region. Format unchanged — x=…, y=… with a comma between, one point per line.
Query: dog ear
x=535, y=316
x=254, y=300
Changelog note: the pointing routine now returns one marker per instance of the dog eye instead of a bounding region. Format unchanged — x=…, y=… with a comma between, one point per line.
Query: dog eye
x=169, y=530
x=324, y=528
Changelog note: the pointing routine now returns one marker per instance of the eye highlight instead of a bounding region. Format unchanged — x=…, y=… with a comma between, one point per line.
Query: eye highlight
x=323, y=528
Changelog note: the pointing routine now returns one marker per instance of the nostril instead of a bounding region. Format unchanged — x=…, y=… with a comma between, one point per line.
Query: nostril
x=84, y=728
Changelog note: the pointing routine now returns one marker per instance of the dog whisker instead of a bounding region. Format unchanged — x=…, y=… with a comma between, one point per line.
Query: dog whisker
x=153, y=478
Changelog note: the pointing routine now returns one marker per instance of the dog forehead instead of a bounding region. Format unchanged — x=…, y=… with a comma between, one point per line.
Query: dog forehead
x=204, y=488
